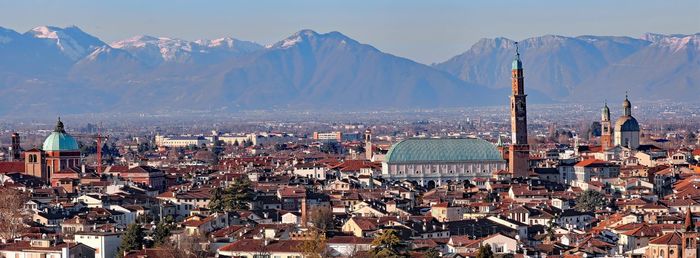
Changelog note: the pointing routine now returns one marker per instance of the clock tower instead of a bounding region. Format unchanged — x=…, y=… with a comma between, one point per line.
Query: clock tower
x=519, y=151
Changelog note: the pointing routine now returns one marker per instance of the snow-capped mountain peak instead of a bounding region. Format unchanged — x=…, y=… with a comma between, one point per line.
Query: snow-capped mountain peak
x=229, y=44
x=307, y=35
x=71, y=41
x=674, y=42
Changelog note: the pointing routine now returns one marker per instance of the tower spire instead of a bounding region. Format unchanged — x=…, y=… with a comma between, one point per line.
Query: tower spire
x=689, y=224
x=627, y=106
x=517, y=64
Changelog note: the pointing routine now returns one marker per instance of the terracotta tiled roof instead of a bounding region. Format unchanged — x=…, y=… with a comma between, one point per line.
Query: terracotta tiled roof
x=255, y=245
x=349, y=240
x=672, y=238
x=591, y=163
x=11, y=166
x=643, y=231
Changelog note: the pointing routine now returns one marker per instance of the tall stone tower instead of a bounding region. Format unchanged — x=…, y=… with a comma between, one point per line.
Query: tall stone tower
x=606, y=140
x=368, y=144
x=15, y=149
x=519, y=149
x=689, y=242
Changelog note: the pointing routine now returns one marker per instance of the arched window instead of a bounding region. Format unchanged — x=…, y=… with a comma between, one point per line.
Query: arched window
x=661, y=253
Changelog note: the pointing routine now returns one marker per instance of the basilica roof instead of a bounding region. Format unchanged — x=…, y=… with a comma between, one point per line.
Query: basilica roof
x=626, y=124
x=442, y=150
x=59, y=140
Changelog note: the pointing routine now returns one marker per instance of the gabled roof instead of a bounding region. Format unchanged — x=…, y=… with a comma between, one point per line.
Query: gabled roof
x=672, y=238
x=592, y=163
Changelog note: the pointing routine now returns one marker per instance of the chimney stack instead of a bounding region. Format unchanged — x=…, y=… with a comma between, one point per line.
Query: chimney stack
x=304, y=218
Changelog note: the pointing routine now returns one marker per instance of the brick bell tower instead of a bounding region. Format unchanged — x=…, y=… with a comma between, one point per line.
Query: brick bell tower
x=519, y=151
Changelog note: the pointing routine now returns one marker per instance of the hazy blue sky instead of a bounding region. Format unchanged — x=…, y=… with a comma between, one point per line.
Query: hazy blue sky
x=426, y=31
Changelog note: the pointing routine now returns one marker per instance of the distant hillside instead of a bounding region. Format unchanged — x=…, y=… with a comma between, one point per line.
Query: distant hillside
x=580, y=68
x=50, y=70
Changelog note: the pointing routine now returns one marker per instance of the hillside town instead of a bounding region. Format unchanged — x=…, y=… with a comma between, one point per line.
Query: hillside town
x=622, y=188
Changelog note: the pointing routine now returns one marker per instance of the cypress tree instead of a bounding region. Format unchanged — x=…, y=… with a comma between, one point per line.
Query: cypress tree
x=131, y=240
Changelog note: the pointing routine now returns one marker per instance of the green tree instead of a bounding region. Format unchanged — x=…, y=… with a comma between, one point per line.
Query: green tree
x=216, y=201
x=238, y=195
x=235, y=197
x=161, y=234
x=590, y=200
x=484, y=252
x=431, y=253
x=131, y=240
x=386, y=245
x=169, y=219
x=690, y=138
x=551, y=230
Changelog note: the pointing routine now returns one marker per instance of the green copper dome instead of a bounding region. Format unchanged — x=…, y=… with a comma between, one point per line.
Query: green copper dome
x=442, y=150
x=59, y=140
x=517, y=64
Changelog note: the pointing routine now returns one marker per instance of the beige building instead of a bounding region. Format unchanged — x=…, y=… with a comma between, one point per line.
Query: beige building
x=665, y=246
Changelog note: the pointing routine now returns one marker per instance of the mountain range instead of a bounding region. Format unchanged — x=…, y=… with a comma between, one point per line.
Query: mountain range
x=52, y=70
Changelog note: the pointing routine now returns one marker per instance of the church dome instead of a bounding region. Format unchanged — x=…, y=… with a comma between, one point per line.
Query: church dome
x=59, y=140
x=626, y=103
x=442, y=150
x=626, y=124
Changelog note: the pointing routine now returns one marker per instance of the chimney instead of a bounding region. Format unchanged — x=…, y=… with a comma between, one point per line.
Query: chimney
x=303, y=212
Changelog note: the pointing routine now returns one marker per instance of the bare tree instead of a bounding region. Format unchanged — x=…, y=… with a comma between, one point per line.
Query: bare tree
x=12, y=212
x=321, y=218
x=315, y=245
x=185, y=246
